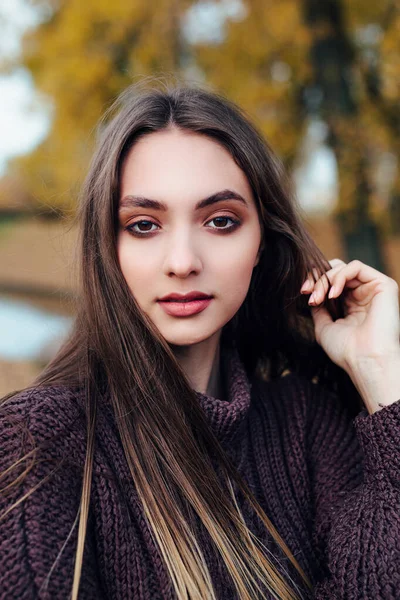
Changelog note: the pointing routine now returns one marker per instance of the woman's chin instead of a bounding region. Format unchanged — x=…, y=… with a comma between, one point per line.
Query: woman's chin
x=177, y=338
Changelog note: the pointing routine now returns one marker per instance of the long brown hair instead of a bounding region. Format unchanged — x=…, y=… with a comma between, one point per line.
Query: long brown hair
x=114, y=349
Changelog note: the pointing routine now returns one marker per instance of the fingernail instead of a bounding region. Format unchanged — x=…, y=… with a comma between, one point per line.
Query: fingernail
x=306, y=286
x=312, y=298
x=332, y=292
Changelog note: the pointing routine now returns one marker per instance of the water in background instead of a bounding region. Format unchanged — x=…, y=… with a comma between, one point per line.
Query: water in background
x=28, y=333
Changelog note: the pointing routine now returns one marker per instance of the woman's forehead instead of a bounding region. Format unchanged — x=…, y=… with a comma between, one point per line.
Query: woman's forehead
x=165, y=165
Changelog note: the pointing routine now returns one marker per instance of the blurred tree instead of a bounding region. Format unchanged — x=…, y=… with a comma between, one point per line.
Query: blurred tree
x=81, y=56
x=262, y=64
x=344, y=105
x=341, y=61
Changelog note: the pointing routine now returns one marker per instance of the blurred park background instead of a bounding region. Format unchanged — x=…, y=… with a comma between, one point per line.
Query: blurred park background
x=320, y=78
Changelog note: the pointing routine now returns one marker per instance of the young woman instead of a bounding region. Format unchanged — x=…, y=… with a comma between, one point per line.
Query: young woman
x=198, y=435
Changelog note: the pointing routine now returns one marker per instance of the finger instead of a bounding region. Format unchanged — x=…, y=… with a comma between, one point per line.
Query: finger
x=338, y=288
x=309, y=283
x=335, y=262
x=364, y=273
x=361, y=292
x=312, y=278
x=322, y=319
x=324, y=284
x=354, y=275
x=307, y=286
x=343, y=275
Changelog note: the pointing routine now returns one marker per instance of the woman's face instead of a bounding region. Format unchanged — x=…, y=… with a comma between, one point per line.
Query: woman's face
x=172, y=240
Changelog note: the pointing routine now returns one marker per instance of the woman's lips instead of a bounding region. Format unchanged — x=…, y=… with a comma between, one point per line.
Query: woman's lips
x=184, y=308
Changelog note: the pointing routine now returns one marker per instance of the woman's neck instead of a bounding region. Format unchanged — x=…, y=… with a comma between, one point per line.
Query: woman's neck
x=202, y=365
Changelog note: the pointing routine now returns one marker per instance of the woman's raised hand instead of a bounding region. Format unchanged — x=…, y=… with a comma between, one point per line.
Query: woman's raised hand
x=366, y=340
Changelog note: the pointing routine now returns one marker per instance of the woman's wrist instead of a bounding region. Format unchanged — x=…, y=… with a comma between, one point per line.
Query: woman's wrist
x=377, y=379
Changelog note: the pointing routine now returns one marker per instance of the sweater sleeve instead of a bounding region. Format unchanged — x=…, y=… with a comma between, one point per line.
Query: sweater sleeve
x=38, y=536
x=355, y=480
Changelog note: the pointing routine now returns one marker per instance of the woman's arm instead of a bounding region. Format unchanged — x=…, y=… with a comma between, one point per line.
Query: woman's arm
x=366, y=341
x=355, y=478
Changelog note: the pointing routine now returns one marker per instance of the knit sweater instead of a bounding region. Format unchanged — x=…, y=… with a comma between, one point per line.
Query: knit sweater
x=329, y=483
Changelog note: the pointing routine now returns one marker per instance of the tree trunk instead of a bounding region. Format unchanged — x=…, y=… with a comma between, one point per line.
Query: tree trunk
x=333, y=57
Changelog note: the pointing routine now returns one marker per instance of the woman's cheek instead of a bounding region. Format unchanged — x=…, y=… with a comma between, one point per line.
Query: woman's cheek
x=235, y=280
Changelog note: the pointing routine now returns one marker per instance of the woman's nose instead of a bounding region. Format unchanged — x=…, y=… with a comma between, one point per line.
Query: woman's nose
x=182, y=258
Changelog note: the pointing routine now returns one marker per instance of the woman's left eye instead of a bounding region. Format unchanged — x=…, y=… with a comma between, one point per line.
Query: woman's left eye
x=221, y=222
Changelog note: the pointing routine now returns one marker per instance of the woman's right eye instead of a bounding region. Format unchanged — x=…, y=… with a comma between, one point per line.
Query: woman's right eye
x=144, y=227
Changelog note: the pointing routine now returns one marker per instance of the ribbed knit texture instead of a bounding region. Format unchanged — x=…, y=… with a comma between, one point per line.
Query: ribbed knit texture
x=330, y=485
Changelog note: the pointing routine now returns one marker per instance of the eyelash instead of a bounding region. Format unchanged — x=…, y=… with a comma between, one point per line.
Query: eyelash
x=225, y=230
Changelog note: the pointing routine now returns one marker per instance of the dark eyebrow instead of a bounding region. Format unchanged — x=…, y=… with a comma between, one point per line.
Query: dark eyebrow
x=141, y=202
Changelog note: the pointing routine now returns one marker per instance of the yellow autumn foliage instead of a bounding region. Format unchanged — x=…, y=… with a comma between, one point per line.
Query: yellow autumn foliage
x=258, y=66
x=81, y=58
x=87, y=52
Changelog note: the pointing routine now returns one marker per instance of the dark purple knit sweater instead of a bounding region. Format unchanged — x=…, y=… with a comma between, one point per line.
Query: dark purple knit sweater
x=330, y=485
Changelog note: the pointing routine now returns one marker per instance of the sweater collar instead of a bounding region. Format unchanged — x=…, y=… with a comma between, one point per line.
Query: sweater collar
x=226, y=416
